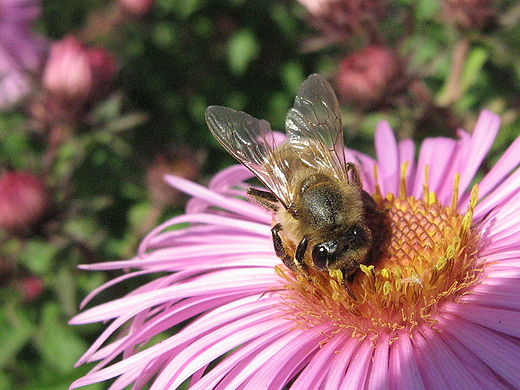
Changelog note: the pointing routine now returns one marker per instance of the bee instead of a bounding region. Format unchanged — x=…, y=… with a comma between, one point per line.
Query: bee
x=315, y=193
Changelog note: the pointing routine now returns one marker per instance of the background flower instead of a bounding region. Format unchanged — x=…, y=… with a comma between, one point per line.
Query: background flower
x=20, y=50
x=24, y=200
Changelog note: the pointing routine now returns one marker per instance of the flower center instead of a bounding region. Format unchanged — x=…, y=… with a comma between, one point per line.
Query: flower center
x=429, y=257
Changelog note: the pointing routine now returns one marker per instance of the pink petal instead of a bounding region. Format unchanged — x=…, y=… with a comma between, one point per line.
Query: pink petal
x=484, y=134
x=378, y=376
x=501, y=320
x=404, y=372
x=357, y=371
x=509, y=160
x=318, y=368
x=497, y=352
x=437, y=154
x=388, y=159
x=338, y=365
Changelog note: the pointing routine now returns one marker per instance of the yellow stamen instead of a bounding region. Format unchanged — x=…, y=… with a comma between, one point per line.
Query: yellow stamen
x=402, y=182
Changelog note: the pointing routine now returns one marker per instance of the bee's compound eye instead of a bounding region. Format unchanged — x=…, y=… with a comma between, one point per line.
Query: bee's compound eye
x=357, y=237
x=356, y=231
x=320, y=255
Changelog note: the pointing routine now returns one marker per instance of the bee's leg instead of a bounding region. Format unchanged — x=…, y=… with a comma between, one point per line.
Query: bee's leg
x=349, y=279
x=299, y=256
x=353, y=174
x=280, y=249
x=264, y=198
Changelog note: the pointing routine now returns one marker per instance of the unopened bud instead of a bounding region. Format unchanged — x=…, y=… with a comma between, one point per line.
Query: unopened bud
x=344, y=20
x=31, y=287
x=24, y=200
x=76, y=72
x=103, y=68
x=369, y=77
x=67, y=71
x=135, y=8
x=469, y=14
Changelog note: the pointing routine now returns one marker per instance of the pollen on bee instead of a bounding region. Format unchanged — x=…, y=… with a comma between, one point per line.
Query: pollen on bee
x=429, y=258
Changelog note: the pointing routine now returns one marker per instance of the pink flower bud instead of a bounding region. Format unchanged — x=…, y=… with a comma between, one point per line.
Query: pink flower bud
x=469, y=14
x=24, y=200
x=67, y=73
x=344, y=20
x=31, y=287
x=75, y=72
x=136, y=8
x=369, y=76
x=103, y=68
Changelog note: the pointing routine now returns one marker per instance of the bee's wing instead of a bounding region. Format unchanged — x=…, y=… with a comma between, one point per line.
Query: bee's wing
x=251, y=142
x=314, y=127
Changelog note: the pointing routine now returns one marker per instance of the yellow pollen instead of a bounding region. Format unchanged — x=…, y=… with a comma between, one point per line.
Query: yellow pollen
x=429, y=257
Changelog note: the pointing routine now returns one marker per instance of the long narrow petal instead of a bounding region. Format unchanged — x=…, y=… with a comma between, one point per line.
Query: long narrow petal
x=388, y=158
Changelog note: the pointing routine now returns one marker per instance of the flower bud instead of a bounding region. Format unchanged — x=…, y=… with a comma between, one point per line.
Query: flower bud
x=24, y=200
x=75, y=72
x=469, y=14
x=31, y=288
x=135, y=8
x=369, y=77
x=103, y=68
x=67, y=71
x=344, y=20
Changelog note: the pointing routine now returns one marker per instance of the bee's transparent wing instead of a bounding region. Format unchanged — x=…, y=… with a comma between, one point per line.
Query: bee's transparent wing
x=251, y=142
x=314, y=127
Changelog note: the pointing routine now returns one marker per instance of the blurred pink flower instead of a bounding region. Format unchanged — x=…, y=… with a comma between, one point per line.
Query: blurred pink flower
x=31, y=288
x=136, y=8
x=440, y=311
x=470, y=14
x=24, y=201
x=315, y=7
x=22, y=13
x=76, y=72
x=21, y=51
x=67, y=71
x=340, y=21
x=370, y=77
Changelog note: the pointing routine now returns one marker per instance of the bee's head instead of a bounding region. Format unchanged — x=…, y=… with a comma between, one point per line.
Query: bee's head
x=344, y=252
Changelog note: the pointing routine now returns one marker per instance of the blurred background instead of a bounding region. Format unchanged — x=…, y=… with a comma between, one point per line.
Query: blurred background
x=100, y=99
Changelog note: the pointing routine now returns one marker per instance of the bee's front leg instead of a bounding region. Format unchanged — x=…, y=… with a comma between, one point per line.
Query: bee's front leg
x=279, y=249
x=296, y=264
x=299, y=256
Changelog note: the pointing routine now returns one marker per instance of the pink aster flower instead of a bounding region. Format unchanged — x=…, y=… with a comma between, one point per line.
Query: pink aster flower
x=440, y=310
x=21, y=51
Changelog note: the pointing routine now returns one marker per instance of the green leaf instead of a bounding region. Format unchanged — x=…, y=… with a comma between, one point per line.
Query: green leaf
x=184, y=8
x=243, y=48
x=473, y=67
x=293, y=76
x=56, y=340
x=53, y=381
x=15, y=331
x=5, y=382
x=38, y=256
